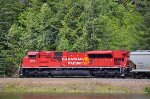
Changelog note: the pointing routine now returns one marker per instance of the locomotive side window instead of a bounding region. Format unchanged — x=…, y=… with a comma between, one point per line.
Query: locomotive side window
x=58, y=56
x=32, y=56
x=100, y=56
x=118, y=61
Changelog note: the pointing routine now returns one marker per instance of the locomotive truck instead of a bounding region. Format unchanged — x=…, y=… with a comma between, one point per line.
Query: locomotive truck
x=103, y=63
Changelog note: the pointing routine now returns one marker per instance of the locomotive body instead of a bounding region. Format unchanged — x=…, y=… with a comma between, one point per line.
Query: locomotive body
x=91, y=63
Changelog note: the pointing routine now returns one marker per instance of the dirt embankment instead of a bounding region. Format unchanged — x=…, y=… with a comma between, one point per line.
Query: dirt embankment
x=73, y=85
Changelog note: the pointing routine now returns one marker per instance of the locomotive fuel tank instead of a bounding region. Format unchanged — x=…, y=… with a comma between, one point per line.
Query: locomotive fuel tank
x=70, y=73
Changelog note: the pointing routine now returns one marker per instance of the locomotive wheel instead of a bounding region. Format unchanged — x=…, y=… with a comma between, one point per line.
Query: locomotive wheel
x=116, y=74
x=21, y=76
x=26, y=73
x=105, y=73
x=97, y=75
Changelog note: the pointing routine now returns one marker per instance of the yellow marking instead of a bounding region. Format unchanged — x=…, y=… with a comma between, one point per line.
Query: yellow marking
x=86, y=60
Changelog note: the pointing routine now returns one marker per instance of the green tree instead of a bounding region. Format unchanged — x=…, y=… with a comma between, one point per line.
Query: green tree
x=75, y=25
x=35, y=30
x=101, y=24
x=9, y=12
x=144, y=9
x=124, y=24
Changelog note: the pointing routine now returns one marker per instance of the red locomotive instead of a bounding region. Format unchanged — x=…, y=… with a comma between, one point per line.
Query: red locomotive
x=92, y=63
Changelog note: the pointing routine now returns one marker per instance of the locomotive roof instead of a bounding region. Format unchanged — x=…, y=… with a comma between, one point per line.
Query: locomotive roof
x=32, y=53
x=105, y=51
x=100, y=52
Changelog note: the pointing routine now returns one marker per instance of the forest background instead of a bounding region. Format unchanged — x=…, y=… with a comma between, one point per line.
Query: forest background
x=72, y=25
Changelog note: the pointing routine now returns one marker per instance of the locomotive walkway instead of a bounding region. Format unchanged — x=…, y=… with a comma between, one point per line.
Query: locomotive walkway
x=73, y=85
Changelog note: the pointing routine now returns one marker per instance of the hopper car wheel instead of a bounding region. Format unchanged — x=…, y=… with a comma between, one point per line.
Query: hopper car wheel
x=139, y=76
x=136, y=76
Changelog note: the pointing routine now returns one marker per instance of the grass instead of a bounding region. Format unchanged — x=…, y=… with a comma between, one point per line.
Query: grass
x=147, y=90
x=72, y=88
x=69, y=87
x=112, y=89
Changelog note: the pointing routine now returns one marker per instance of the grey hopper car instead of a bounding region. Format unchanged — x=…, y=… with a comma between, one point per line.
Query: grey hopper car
x=140, y=63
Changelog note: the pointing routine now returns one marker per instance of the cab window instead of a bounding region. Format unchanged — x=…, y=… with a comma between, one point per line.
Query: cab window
x=32, y=56
x=100, y=55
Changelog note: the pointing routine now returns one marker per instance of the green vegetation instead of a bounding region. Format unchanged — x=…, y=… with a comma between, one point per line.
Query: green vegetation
x=72, y=25
x=147, y=90
x=71, y=88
